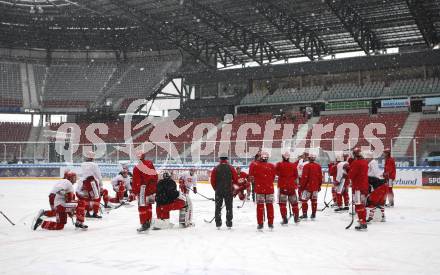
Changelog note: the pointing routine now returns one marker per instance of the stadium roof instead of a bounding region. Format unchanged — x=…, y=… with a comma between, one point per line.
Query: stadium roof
x=228, y=32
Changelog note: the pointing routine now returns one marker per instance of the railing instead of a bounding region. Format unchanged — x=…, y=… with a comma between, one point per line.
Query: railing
x=208, y=151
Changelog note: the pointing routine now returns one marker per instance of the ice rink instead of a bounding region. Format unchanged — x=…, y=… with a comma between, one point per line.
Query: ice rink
x=408, y=243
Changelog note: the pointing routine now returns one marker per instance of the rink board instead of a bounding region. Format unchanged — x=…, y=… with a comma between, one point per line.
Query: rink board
x=407, y=177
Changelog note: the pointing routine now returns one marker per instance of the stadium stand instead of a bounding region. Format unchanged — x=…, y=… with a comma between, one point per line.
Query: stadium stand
x=392, y=121
x=411, y=87
x=345, y=91
x=305, y=94
x=13, y=132
x=254, y=98
x=75, y=85
x=11, y=94
x=427, y=133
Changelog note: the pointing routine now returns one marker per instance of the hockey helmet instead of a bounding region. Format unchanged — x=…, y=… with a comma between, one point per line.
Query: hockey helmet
x=70, y=176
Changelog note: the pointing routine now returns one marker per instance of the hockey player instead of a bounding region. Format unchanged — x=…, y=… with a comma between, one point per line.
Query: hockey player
x=376, y=199
x=120, y=183
x=264, y=173
x=64, y=204
x=358, y=174
x=304, y=159
x=389, y=175
x=144, y=187
x=342, y=184
x=287, y=176
x=242, y=185
x=168, y=199
x=188, y=182
x=332, y=170
x=89, y=188
x=257, y=158
x=311, y=181
x=375, y=180
x=223, y=177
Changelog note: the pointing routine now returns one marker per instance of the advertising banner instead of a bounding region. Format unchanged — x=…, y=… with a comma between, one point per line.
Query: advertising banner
x=431, y=178
x=432, y=101
x=29, y=172
x=393, y=103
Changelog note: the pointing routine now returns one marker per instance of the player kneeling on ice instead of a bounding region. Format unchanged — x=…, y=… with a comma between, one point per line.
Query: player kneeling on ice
x=242, y=185
x=121, y=183
x=144, y=187
x=64, y=205
x=264, y=173
x=311, y=181
x=168, y=198
x=223, y=177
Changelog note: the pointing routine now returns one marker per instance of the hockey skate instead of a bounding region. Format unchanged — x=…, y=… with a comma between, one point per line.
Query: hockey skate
x=260, y=227
x=285, y=221
x=144, y=227
x=80, y=225
x=160, y=224
x=304, y=216
x=341, y=209
x=369, y=219
x=95, y=216
x=38, y=220
x=361, y=227
x=270, y=226
x=313, y=216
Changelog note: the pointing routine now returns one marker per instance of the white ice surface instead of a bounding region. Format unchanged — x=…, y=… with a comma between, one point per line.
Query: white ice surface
x=408, y=243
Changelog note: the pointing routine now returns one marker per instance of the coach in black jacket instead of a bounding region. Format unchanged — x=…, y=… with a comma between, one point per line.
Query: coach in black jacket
x=223, y=176
x=167, y=197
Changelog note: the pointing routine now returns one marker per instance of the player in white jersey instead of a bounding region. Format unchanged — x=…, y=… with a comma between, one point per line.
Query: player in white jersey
x=341, y=184
x=90, y=188
x=64, y=204
x=121, y=183
x=375, y=180
x=188, y=182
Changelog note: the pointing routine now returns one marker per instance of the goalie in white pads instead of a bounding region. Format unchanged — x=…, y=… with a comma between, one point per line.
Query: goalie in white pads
x=188, y=182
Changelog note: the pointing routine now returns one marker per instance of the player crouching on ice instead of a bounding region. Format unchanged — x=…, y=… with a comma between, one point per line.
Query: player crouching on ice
x=89, y=188
x=242, y=185
x=168, y=198
x=64, y=204
x=121, y=183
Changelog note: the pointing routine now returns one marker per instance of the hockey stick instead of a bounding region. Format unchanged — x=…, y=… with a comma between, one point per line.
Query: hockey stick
x=210, y=221
x=7, y=218
x=352, y=213
x=241, y=206
x=326, y=205
x=211, y=199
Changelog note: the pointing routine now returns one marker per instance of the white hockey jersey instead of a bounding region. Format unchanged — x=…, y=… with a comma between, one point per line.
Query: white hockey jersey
x=61, y=188
x=340, y=171
x=301, y=164
x=374, y=170
x=189, y=181
x=88, y=169
x=119, y=178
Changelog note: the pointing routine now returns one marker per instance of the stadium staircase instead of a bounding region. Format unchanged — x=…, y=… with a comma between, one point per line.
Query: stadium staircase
x=303, y=131
x=405, y=138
